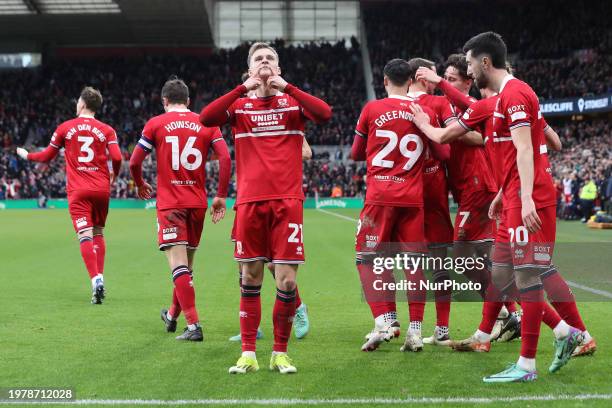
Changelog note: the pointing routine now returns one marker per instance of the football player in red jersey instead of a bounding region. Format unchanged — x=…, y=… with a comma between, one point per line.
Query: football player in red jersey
x=438, y=225
x=527, y=197
x=268, y=129
x=473, y=186
x=87, y=144
x=392, y=220
x=181, y=144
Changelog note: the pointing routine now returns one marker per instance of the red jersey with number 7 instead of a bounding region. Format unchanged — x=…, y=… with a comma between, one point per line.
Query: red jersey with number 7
x=85, y=140
x=395, y=152
x=181, y=144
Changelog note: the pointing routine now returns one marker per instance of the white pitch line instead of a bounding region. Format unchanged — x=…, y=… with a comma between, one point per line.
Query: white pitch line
x=570, y=283
x=589, y=289
x=344, y=217
x=337, y=401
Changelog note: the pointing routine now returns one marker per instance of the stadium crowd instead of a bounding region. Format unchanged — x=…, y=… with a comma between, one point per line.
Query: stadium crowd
x=34, y=101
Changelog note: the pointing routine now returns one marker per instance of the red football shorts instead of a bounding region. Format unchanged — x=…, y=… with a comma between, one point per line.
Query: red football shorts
x=502, y=255
x=472, y=222
x=88, y=209
x=270, y=231
x=532, y=250
x=387, y=229
x=180, y=226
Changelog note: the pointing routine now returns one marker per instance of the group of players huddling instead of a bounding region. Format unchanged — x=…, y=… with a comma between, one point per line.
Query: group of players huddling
x=490, y=153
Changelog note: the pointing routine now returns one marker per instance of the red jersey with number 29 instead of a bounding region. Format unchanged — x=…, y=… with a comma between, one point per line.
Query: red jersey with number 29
x=395, y=152
x=85, y=140
x=181, y=144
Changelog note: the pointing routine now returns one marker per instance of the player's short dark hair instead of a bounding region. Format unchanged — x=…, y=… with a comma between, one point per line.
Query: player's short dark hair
x=175, y=90
x=415, y=63
x=489, y=43
x=92, y=98
x=397, y=71
x=458, y=62
x=244, y=76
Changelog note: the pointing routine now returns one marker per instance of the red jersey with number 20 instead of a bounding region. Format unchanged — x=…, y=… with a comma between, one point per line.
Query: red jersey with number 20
x=518, y=106
x=181, y=144
x=395, y=152
x=85, y=140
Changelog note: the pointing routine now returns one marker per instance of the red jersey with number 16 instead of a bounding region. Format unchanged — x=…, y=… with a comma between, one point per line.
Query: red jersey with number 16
x=395, y=152
x=181, y=144
x=85, y=140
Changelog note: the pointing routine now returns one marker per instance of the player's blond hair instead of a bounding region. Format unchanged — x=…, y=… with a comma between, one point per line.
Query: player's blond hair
x=259, y=46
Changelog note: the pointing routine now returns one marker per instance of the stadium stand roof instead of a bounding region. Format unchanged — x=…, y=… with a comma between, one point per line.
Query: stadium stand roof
x=31, y=25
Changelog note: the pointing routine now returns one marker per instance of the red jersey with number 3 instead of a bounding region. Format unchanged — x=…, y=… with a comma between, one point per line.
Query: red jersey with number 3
x=517, y=107
x=85, y=140
x=268, y=134
x=181, y=144
x=395, y=152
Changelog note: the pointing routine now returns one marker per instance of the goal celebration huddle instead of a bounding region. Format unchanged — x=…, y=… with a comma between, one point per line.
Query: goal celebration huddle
x=491, y=154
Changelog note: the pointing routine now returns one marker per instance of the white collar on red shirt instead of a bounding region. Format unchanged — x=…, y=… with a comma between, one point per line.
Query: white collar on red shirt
x=507, y=78
x=254, y=96
x=416, y=94
x=177, y=110
x=86, y=116
x=402, y=97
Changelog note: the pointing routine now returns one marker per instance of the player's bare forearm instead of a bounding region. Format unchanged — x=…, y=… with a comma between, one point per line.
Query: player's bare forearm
x=552, y=139
x=521, y=137
x=315, y=108
x=472, y=138
x=215, y=113
x=306, y=150
x=457, y=98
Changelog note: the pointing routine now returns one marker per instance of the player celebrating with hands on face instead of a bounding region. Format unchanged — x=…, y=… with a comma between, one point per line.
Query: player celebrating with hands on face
x=181, y=144
x=268, y=129
x=527, y=196
x=86, y=141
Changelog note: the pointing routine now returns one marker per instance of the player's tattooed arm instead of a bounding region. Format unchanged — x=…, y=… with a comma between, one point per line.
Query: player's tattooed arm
x=438, y=135
x=472, y=138
x=521, y=137
x=306, y=150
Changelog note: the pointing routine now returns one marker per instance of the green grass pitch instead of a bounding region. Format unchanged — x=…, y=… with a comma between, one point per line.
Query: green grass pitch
x=50, y=335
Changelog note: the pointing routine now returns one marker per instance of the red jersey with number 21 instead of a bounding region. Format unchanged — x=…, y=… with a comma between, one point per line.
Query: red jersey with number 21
x=85, y=140
x=181, y=144
x=395, y=152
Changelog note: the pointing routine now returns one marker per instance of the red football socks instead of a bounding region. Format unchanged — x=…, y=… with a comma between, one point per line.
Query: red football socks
x=250, y=315
x=532, y=302
x=282, y=318
x=89, y=256
x=100, y=247
x=185, y=293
